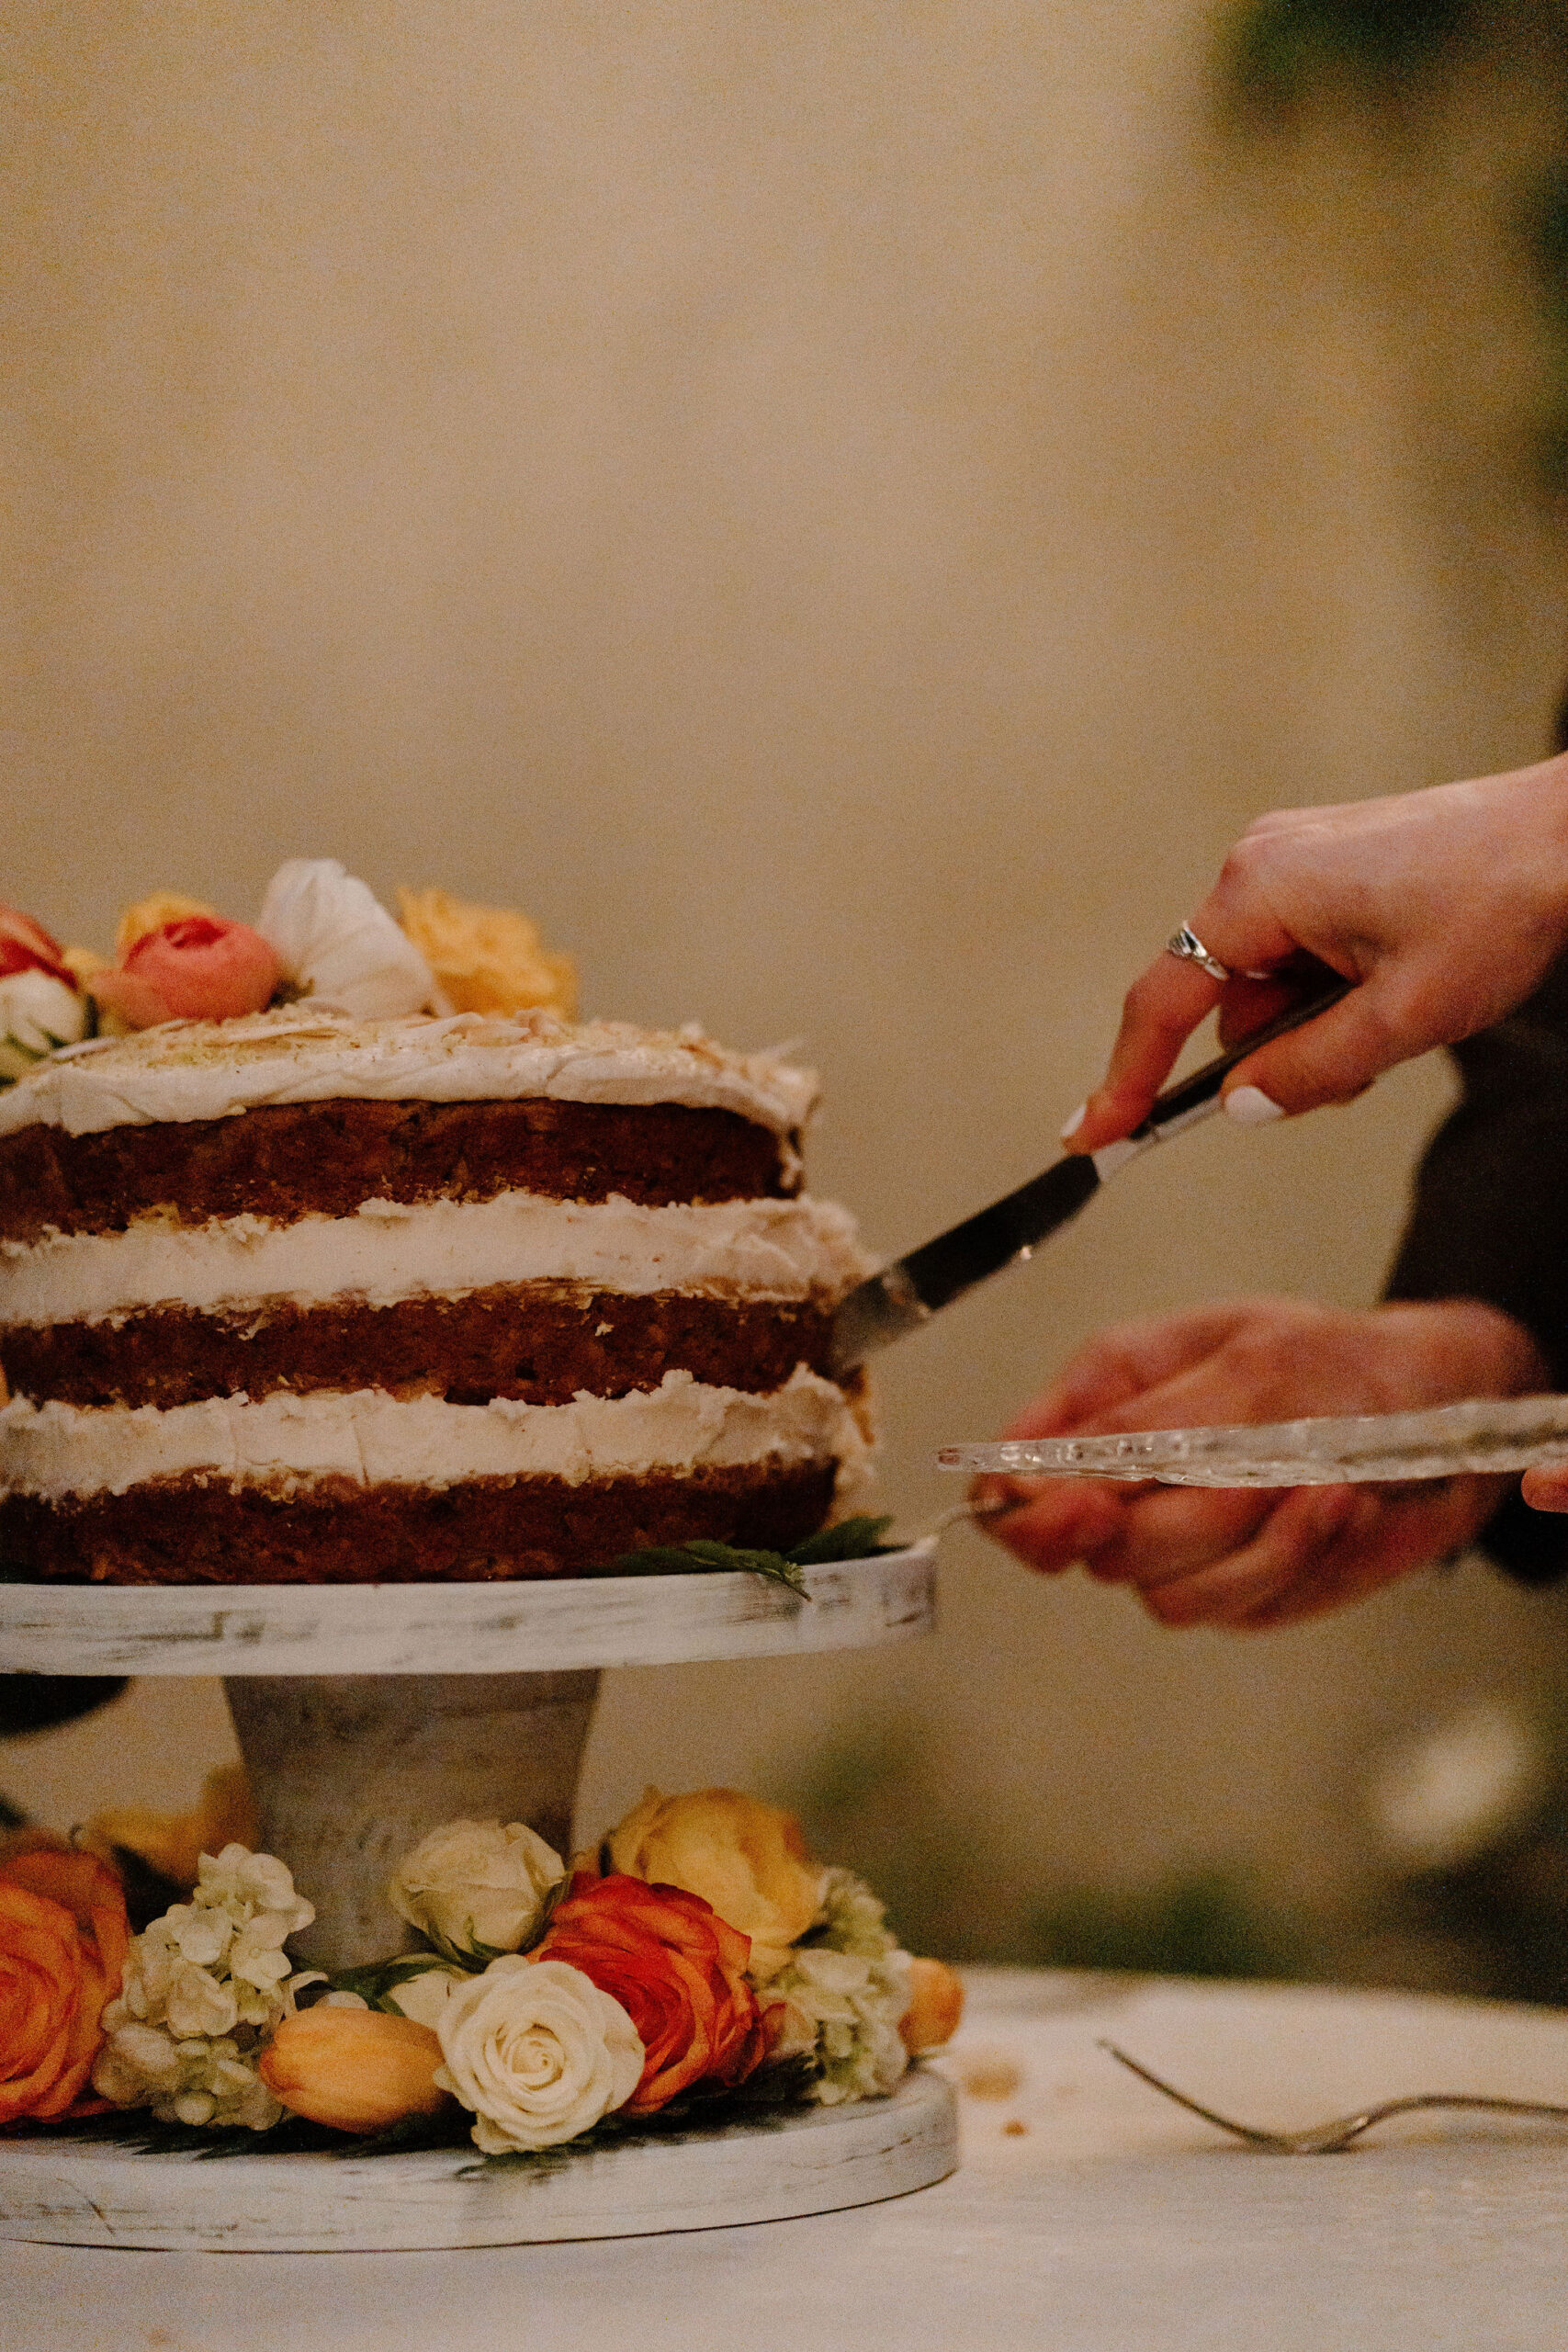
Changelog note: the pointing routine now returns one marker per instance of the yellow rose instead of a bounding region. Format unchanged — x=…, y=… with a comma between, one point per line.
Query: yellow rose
x=748, y=1860
x=487, y=959
x=174, y=1842
x=151, y=914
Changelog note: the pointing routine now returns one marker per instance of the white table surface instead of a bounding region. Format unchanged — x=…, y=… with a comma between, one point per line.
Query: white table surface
x=1113, y=2222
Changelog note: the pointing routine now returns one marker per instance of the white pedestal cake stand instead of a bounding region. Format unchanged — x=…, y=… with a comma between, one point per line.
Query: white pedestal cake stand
x=366, y=1716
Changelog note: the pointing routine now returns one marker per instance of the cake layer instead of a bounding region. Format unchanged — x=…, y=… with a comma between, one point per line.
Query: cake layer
x=326, y=1159
x=197, y=1069
x=386, y=1251
x=184, y=1531
x=542, y=1343
x=284, y=1444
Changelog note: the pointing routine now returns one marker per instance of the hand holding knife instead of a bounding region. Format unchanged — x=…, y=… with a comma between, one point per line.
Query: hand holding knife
x=909, y=1292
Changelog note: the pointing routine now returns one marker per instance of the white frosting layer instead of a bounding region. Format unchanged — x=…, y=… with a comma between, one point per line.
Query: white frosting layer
x=204, y=1069
x=287, y=1443
x=783, y=1250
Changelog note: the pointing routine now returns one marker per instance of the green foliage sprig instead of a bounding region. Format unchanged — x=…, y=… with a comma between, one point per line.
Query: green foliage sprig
x=852, y=1539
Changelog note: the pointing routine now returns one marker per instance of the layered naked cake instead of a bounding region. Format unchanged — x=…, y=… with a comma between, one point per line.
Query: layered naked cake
x=307, y=1299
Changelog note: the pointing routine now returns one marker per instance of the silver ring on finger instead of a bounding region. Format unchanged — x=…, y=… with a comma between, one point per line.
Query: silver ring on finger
x=1187, y=948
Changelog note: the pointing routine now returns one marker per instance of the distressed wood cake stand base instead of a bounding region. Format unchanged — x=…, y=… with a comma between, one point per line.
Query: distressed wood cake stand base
x=368, y=1715
x=808, y=2160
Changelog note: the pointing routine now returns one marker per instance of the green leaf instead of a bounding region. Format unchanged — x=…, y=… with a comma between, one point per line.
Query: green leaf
x=379, y=1978
x=852, y=1539
x=700, y=1555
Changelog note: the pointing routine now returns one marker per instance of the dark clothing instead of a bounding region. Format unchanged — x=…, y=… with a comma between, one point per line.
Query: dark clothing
x=1489, y=1216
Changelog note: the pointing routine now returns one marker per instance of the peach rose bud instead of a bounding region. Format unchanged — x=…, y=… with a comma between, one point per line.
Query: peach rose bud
x=358, y=2070
x=936, y=2004
x=198, y=967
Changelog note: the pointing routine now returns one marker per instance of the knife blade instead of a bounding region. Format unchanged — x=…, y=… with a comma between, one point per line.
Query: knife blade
x=908, y=1293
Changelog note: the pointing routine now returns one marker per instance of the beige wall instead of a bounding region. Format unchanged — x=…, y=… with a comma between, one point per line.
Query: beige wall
x=842, y=512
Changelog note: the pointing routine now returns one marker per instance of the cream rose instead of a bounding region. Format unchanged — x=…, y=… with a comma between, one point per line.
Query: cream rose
x=335, y=941
x=37, y=1013
x=748, y=1860
x=423, y=1998
x=537, y=2051
x=475, y=1886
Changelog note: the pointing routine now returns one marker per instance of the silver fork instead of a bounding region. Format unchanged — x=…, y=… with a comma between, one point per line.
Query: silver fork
x=1327, y=2139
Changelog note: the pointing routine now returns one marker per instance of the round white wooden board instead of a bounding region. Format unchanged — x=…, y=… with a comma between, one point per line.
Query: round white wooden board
x=519, y=1628
x=809, y=2160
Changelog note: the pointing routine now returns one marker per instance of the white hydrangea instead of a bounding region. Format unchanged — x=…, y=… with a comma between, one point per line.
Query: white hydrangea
x=847, y=1990
x=203, y=1988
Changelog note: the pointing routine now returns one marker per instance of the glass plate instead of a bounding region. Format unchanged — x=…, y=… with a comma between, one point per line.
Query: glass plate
x=1486, y=1433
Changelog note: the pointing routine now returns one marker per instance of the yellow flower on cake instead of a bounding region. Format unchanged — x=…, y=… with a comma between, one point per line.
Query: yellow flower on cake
x=747, y=1859
x=149, y=914
x=487, y=959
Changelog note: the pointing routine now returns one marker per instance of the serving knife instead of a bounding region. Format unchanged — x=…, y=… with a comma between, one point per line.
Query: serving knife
x=911, y=1291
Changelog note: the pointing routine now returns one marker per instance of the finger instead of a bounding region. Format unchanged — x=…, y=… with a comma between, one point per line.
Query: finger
x=1331, y=1059
x=1168, y=1534
x=1546, y=1490
x=1063, y=1521
x=1128, y=1362
x=1162, y=1008
x=1295, y=1537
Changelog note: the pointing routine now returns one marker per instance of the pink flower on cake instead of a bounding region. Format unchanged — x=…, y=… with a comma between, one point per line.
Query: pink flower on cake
x=198, y=968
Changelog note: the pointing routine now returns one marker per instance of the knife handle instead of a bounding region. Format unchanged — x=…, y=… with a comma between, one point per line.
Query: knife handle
x=1198, y=1097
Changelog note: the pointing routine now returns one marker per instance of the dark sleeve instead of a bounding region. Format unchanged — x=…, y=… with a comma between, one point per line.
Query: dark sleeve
x=1489, y=1222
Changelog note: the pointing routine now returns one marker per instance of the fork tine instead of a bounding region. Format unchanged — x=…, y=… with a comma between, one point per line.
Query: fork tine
x=1195, y=2107
x=1328, y=2139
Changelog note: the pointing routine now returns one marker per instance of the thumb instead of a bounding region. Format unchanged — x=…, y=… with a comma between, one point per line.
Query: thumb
x=1331, y=1059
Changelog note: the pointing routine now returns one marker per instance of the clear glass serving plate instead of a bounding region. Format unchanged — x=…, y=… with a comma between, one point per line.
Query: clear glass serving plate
x=1485, y=1433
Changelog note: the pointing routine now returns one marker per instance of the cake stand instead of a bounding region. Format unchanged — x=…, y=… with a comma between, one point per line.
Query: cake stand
x=367, y=1716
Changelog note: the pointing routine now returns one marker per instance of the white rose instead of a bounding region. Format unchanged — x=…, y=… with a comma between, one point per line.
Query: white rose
x=37, y=1013
x=537, y=2051
x=335, y=941
x=476, y=1883
x=423, y=1998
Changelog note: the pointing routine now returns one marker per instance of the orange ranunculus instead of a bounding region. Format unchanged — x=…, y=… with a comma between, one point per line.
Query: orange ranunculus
x=64, y=1939
x=198, y=967
x=677, y=1970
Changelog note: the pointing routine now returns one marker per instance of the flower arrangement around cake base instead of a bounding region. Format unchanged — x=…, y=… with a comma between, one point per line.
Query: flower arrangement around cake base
x=695, y=1967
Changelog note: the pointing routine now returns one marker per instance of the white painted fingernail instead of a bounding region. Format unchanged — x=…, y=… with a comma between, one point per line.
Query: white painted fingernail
x=1251, y=1107
x=1074, y=1122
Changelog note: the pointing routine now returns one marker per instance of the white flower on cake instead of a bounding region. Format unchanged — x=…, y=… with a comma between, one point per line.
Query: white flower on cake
x=846, y=1994
x=38, y=1012
x=336, y=942
x=202, y=1988
x=475, y=1887
x=537, y=2051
